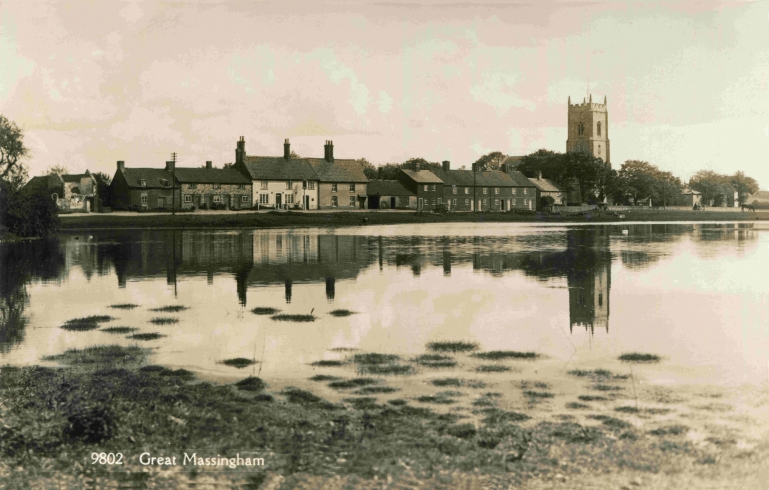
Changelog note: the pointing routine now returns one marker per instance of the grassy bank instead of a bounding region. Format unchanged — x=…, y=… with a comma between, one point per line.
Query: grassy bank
x=313, y=219
x=108, y=400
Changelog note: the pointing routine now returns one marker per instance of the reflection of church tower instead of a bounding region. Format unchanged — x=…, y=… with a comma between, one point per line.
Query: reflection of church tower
x=330, y=289
x=589, y=278
x=288, y=290
x=588, y=128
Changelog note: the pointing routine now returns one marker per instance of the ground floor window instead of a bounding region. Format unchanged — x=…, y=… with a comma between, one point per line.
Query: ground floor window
x=467, y=202
x=289, y=199
x=217, y=198
x=496, y=202
x=264, y=198
x=187, y=198
x=144, y=198
x=352, y=200
x=454, y=202
x=334, y=201
x=243, y=198
x=439, y=200
x=433, y=202
x=485, y=202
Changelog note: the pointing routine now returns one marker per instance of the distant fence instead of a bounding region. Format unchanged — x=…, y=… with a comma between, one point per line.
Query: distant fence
x=586, y=207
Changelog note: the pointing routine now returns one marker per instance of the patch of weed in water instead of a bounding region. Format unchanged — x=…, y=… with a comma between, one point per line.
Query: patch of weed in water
x=398, y=402
x=304, y=397
x=627, y=409
x=670, y=430
x=352, y=383
x=496, y=416
x=447, y=382
x=327, y=363
x=107, y=354
x=598, y=375
x=341, y=313
x=602, y=387
x=385, y=369
x=639, y=357
x=362, y=403
x=611, y=422
x=454, y=346
x=86, y=323
x=251, y=383
x=375, y=390
x=164, y=320
x=260, y=310
x=238, y=362
x=537, y=395
x=170, y=309
x=435, y=361
x=124, y=306
x=593, y=398
x=324, y=377
x=293, y=318
x=491, y=368
x=577, y=406
x=146, y=336
x=437, y=399
x=499, y=355
x=375, y=358
x=343, y=349
x=119, y=330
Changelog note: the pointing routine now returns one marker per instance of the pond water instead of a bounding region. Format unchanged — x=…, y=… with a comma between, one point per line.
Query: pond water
x=696, y=294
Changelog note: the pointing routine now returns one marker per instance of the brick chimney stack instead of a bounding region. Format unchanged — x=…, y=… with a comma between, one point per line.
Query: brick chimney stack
x=240, y=152
x=208, y=164
x=170, y=165
x=446, y=165
x=329, y=151
x=379, y=173
x=121, y=165
x=287, y=150
x=539, y=175
x=417, y=167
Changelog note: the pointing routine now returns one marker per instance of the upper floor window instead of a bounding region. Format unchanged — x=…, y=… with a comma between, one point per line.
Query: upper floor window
x=242, y=187
x=311, y=185
x=485, y=190
x=263, y=185
x=433, y=186
x=193, y=186
x=496, y=190
x=454, y=189
x=467, y=190
x=599, y=128
x=288, y=184
x=581, y=129
x=143, y=183
x=333, y=188
x=352, y=187
x=217, y=186
x=427, y=187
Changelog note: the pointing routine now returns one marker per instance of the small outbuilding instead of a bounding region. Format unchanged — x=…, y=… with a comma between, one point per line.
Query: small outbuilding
x=390, y=194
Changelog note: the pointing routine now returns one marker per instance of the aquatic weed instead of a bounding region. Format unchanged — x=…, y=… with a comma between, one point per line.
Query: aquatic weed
x=238, y=362
x=260, y=310
x=164, y=321
x=146, y=336
x=452, y=346
x=498, y=355
x=293, y=318
x=639, y=357
x=341, y=313
x=170, y=309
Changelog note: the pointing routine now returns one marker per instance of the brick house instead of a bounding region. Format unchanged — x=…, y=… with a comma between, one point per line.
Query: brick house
x=547, y=187
x=71, y=192
x=427, y=187
x=207, y=188
x=141, y=188
x=303, y=183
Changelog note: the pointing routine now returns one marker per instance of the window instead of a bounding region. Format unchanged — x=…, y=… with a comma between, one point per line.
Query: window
x=288, y=184
x=264, y=198
x=496, y=190
x=485, y=190
x=144, y=199
x=433, y=202
x=352, y=201
x=599, y=146
x=433, y=186
x=485, y=202
x=311, y=185
x=427, y=187
x=599, y=129
x=334, y=201
x=352, y=187
x=187, y=198
x=580, y=129
x=454, y=189
x=467, y=190
x=164, y=183
x=440, y=201
x=333, y=188
x=263, y=185
x=217, y=198
x=514, y=190
x=244, y=199
x=193, y=186
x=242, y=187
x=289, y=199
x=143, y=183
x=217, y=186
x=467, y=202
x=496, y=202
x=525, y=190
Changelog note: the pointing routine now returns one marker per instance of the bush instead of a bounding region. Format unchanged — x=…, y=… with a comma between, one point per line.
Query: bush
x=27, y=213
x=384, y=205
x=441, y=209
x=546, y=202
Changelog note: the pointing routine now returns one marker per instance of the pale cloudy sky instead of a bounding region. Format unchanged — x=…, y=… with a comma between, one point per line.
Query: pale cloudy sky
x=95, y=82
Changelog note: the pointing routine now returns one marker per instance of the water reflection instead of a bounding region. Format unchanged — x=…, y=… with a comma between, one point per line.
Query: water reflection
x=579, y=259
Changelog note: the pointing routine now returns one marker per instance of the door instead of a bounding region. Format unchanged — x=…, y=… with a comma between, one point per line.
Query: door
x=421, y=203
x=278, y=201
x=196, y=201
x=480, y=205
x=306, y=202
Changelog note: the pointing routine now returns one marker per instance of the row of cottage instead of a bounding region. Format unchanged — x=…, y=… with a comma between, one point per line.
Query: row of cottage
x=290, y=182
x=286, y=182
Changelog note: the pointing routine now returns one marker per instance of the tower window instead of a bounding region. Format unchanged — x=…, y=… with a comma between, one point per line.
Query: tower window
x=599, y=128
x=581, y=129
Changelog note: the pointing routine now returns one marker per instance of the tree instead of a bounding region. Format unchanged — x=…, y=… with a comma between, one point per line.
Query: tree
x=490, y=161
x=56, y=169
x=714, y=187
x=550, y=163
x=636, y=179
x=28, y=213
x=368, y=168
x=667, y=187
x=12, y=150
x=104, y=177
x=744, y=185
x=589, y=173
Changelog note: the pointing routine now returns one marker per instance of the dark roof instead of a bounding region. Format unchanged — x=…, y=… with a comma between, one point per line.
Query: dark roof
x=387, y=188
x=75, y=177
x=44, y=182
x=422, y=177
x=545, y=185
x=211, y=176
x=758, y=196
x=338, y=171
x=513, y=161
x=455, y=177
x=278, y=168
x=153, y=176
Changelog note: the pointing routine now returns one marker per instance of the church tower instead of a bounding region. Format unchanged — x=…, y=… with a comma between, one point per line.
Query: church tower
x=588, y=128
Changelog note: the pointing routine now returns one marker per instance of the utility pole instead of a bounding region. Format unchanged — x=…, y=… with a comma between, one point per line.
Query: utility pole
x=475, y=189
x=173, y=185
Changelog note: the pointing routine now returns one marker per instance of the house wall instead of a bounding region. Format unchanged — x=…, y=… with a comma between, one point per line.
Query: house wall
x=401, y=202
x=559, y=197
x=230, y=194
x=342, y=194
x=429, y=199
x=280, y=187
x=507, y=199
x=153, y=195
x=120, y=198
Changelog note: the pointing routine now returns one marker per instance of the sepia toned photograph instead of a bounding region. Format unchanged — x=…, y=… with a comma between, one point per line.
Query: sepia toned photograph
x=407, y=244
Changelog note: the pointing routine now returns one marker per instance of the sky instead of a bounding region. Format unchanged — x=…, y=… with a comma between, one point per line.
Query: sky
x=95, y=82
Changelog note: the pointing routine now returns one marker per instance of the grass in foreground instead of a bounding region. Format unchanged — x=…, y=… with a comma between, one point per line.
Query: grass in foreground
x=101, y=354
x=455, y=346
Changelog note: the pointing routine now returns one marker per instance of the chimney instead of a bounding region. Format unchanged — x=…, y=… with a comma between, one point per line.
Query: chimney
x=330, y=151
x=240, y=152
x=539, y=175
x=417, y=167
x=208, y=164
x=446, y=165
x=121, y=165
x=287, y=150
x=379, y=173
x=170, y=165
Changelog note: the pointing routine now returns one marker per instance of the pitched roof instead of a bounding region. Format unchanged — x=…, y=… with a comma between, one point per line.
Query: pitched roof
x=545, y=185
x=387, y=188
x=75, y=177
x=338, y=171
x=211, y=176
x=512, y=161
x=686, y=190
x=278, y=168
x=44, y=182
x=153, y=176
x=422, y=177
x=455, y=177
x=758, y=196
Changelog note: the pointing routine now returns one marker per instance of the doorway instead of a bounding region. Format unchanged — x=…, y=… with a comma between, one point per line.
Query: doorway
x=278, y=201
x=392, y=203
x=306, y=202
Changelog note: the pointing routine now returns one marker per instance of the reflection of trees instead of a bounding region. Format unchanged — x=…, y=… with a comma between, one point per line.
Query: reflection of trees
x=21, y=263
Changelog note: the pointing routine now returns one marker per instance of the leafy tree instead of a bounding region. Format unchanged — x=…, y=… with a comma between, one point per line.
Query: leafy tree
x=713, y=186
x=106, y=178
x=590, y=174
x=12, y=150
x=490, y=161
x=637, y=179
x=744, y=185
x=667, y=187
x=28, y=213
x=550, y=163
x=56, y=169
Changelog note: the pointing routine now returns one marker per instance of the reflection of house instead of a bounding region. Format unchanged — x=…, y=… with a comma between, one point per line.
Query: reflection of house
x=547, y=187
x=72, y=192
x=390, y=194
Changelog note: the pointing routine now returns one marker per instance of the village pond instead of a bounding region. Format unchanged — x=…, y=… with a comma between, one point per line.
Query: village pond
x=580, y=296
